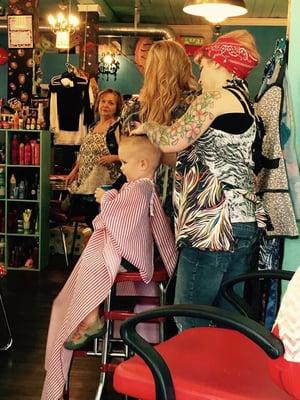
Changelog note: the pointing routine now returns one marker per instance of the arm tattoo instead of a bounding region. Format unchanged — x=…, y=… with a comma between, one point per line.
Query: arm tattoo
x=189, y=127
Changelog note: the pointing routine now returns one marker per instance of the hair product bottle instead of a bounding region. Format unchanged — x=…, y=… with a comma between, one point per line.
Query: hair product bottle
x=36, y=152
x=16, y=120
x=12, y=186
x=15, y=150
x=27, y=156
x=21, y=153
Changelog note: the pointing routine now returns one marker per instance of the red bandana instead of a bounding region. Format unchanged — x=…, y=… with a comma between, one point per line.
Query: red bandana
x=229, y=53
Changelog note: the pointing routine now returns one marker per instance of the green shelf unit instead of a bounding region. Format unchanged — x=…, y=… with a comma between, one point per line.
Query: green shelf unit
x=37, y=241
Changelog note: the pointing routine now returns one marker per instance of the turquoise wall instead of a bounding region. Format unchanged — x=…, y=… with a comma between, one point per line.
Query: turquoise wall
x=292, y=246
x=54, y=64
x=129, y=79
x=293, y=67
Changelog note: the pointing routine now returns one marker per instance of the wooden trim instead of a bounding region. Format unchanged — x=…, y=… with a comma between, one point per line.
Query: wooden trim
x=256, y=21
x=207, y=30
x=288, y=20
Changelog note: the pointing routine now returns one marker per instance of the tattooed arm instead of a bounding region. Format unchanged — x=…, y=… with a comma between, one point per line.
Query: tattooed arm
x=188, y=128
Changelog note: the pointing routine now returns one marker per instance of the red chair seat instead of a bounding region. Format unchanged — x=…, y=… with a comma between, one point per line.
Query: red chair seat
x=228, y=362
x=159, y=275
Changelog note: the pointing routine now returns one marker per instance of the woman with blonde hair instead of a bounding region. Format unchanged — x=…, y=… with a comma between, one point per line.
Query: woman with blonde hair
x=217, y=215
x=168, y=90
x=168, y=76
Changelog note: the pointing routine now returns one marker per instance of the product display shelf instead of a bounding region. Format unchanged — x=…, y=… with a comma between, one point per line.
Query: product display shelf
x=32, y=244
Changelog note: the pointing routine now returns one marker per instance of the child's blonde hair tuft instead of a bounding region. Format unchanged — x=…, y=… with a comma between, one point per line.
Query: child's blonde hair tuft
x=141, y=147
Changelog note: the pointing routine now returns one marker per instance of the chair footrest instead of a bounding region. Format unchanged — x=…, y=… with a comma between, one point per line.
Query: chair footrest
x=117, y=315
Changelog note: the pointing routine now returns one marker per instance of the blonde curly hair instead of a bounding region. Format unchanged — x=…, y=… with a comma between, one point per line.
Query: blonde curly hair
x=168, y=72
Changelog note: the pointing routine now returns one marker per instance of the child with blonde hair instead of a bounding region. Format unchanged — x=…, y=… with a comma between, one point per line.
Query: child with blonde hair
x=125, y=228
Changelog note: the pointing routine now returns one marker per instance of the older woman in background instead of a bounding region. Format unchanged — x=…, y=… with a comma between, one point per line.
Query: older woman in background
x=98, y=162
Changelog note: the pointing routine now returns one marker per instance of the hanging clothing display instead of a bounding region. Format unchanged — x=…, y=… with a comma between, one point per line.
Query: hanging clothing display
x=70, y=108
x=272, y=180
x=278, y=178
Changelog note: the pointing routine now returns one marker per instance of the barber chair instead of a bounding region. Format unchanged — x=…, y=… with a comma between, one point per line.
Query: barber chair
x=60, y=218
x=235, y=358
x=119, y=307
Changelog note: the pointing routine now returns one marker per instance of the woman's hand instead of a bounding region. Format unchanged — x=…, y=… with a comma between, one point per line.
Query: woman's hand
x=108, y=159
x=71, y=177
x=99, y=194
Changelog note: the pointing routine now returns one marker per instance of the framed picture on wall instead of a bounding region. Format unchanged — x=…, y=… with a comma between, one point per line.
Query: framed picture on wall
x=20, y=31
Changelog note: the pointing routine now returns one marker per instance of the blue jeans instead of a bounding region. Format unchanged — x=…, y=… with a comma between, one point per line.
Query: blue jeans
x=201, y=273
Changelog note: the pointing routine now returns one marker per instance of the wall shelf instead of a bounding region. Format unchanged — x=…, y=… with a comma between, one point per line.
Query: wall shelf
x=18, y=248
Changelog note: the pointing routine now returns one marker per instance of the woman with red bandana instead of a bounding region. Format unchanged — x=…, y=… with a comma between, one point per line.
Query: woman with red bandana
x=217, y=215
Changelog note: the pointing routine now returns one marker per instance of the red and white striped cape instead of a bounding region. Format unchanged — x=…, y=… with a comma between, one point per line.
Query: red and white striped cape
x=125, y=227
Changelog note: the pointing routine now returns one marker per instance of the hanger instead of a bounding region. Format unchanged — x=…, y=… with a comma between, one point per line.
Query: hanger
x=70, y=77
x=70, y=67
x=70, y=71
x=74, y=74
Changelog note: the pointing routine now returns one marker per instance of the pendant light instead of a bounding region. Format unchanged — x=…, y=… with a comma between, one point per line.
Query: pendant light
x=215, y=11
x=63, y=27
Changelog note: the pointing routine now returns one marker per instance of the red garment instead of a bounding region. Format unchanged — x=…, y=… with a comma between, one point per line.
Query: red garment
x=128, y=221
x=229, y=53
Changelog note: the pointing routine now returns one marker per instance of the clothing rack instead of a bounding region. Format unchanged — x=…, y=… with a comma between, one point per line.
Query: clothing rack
x=275, y=66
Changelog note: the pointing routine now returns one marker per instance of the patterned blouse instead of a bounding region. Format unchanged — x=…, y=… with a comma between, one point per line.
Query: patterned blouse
x=214, y=183
x=91, y=174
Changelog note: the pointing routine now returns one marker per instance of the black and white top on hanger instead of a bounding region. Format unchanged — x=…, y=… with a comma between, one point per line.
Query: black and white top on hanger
x=70, y=108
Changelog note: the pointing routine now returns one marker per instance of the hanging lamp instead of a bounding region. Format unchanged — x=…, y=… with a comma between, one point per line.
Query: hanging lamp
x=63, y=26
x=215, y=11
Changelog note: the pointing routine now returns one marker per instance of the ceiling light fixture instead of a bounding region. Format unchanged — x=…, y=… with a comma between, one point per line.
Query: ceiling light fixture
x=63, y=27
x=215, y=11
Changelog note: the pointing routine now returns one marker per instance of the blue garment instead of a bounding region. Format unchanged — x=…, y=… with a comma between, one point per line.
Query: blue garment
x=201, y=273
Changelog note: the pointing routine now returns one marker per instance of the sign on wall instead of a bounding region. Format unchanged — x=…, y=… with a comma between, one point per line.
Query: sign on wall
x=20, y=31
